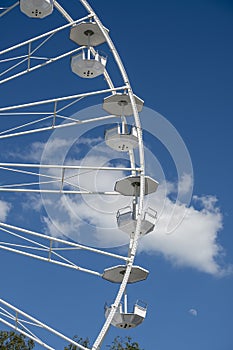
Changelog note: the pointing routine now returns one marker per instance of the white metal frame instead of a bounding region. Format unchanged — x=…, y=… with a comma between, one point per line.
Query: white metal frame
x=47, y=249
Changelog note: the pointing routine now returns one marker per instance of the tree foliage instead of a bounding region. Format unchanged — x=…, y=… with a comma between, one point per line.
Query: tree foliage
x=14, y=341
x=81, y=341
x=118, y=343
x=125, y=343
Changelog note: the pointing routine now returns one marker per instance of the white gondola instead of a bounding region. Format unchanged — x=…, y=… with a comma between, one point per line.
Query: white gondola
x=88, y=65
x=115, y=274
x=120, y=104
x=130, y=185
x=36, y=8
x=125, y=319
x=123, y=138
x=127, y=220
x=87, y=34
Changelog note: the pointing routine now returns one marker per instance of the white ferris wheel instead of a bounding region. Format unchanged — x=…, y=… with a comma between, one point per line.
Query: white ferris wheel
x=102, y=79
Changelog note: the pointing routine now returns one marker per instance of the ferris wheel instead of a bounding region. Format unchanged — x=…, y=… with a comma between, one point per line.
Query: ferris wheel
x=101, y=80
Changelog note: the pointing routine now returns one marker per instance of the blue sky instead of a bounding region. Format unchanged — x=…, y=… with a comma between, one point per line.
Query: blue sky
x=179, y=59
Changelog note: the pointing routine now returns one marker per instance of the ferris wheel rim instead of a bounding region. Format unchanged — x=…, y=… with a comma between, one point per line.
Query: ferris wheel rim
x=127, y=87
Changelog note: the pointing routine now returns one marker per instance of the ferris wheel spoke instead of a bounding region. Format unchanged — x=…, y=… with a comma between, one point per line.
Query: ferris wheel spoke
x=26, y=334
x=65, y=98
x=65, y=179
x=19, y=185
x=72, y=185
x=20, y=322
x=24, y=246
x=49, y=117
x=12, y=59
x=3, y=135
x=31, y=69
x=42, y=112
x=67, y=167
x=8, y=9
x=54, y=116
x=31, y=52
x=37, y=247
x=52, y=261
x=48, y=176
x=18, y=313
x=59, y=184
x=66, y=243
x=62, y=180
x=24, y=59
x=53, y=31
x=9, y=315
x=28, y=58
x=22, y=56
x=69, y=105
x=50, y=252
x=71, y=192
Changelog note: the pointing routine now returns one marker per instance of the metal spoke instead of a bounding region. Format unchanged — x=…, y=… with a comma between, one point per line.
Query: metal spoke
x=37, y=322
x=58, y=240
x=8, y=9
x=65, y=98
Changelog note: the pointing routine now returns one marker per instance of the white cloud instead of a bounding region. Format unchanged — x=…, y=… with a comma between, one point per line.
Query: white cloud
x=32, y=201
x=4, y=210
x=194, y=242
x=34, y=152
x=88, y=219
x=185, y=184
x=92, y=219
x=90, y=141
